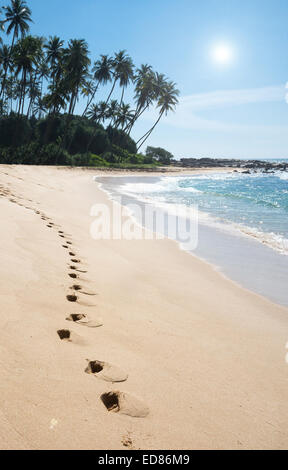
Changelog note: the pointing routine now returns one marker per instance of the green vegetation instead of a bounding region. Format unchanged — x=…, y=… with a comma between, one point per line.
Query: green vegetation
x=159, y=155
x=41, y=82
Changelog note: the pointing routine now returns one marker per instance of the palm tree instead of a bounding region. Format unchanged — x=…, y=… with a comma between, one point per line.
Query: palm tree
x=34, y=93
x=94, y=113
x=2, y=25
x=102, y=71
x=168, y=100
x=54, y=52
x=55, y=100
x=124, y=115
x=120, y=64
x=87, y=89
x=43, y=73
x=113, y=111
x=97, y=113
x=103, y=112
x=125, y=71
x=144, y=92
x=39, y=107
x=26, y=54
x=76, y=64
x=6, y=64
x=18, y=17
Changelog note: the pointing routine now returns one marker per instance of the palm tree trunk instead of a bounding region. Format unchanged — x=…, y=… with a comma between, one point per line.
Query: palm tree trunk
x=13, y=39
x=21, y=93
x=110, y=94
x=91, y=99
x=122, y=96
x=71, y=103
x=3, y=82
x=147, y=135
x=136, y=117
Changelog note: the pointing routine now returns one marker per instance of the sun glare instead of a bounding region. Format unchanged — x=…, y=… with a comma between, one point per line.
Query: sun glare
x=222, y=53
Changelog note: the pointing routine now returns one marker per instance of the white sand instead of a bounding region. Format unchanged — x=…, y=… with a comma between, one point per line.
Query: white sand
x=205, y=356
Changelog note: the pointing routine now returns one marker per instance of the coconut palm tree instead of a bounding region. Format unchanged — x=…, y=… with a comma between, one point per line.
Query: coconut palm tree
x=18, y=17
x=54, y=51
x=124, y=115
x=55, y=100
x=87, y=89
x=97, y=113
x=102, y=74
x=6, y=65
x=168, y=99
x=144, y=92
x=125, y=71
x=94, y=113
x=122, y=66
x=34, y=93
x=39, y=107
x=113, y=111
x=76, y=65
x=26, y=54
x=2, y=24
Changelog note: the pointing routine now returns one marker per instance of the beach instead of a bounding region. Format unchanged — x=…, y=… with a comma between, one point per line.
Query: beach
x=204, y=357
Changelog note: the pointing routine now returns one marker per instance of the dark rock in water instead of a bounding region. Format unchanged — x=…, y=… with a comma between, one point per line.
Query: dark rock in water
x=255, y=165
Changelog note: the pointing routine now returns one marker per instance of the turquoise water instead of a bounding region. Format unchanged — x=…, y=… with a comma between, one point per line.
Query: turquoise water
x=243, y=223
x=253, y=205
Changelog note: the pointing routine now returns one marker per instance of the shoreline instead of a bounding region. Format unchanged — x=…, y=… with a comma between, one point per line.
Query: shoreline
x=217, y=366
x=212, y=249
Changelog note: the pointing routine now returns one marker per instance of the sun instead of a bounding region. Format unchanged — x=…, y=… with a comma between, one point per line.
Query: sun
x=222, y=53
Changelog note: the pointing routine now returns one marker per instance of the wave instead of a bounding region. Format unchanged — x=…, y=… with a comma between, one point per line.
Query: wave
x=273, y=240
x=164, y=185
x=283, y=175
x=270, y=239
x=156, y=193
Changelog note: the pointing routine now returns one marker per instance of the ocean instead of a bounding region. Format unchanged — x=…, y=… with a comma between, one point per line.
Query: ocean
x=243, y=221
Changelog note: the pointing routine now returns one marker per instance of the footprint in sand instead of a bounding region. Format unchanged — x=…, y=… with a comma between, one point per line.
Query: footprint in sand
x=76, y=287
x=85, y=320
x=69, y=336
x=105, y=371
x=73, y=276
x=124, y=403
x=64, y=335
x=79, y=288
x=72, y=298
x=75, y=269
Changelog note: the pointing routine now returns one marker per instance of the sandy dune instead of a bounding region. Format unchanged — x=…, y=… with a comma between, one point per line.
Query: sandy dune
x=197, y=362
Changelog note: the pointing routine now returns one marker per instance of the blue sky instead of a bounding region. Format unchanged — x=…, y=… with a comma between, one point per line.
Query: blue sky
x=232, y=110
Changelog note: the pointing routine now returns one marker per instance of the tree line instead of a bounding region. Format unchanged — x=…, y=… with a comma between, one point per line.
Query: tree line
x=42, y=80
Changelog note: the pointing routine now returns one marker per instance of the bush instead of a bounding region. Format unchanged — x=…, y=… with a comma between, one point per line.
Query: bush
x=14, y=131
x=95, y=160
x=159, y=154
x=52, y=154
x=120, y=139
x=50, y=129
x=81, y=159
x=52, y=141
